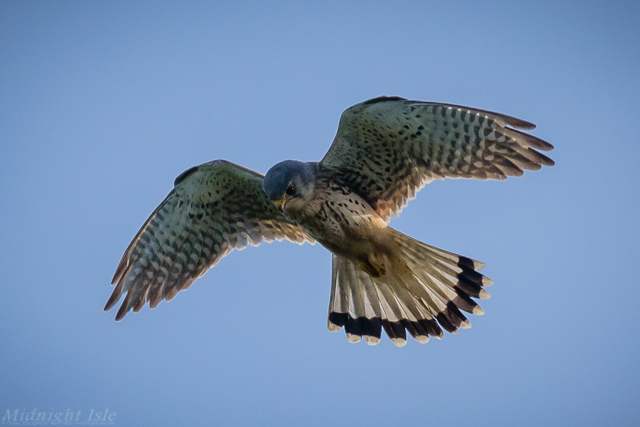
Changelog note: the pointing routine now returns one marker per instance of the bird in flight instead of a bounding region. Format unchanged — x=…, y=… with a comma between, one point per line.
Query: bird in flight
x=386, y=149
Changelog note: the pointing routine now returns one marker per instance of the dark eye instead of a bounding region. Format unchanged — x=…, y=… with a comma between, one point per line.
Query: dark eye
x=291, y=189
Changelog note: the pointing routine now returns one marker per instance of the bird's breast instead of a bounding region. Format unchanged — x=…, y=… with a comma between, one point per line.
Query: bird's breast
x=341, y=221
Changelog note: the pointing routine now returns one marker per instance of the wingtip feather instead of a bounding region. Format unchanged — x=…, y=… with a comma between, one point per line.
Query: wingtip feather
x=121, y=313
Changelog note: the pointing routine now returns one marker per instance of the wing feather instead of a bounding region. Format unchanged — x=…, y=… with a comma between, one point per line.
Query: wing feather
x=388, y=148
x=214, y=208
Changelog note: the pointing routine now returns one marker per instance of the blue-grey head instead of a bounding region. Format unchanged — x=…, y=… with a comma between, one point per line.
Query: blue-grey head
x=290, y=184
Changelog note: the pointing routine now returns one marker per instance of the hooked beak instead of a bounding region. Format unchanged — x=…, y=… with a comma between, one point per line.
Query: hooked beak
x=280, y=205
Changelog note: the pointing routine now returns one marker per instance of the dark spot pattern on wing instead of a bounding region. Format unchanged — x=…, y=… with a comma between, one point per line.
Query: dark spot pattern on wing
x=386, y=149
x=213, y=209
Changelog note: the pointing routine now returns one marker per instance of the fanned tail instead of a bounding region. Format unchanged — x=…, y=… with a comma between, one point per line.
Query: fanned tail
x=423, y=291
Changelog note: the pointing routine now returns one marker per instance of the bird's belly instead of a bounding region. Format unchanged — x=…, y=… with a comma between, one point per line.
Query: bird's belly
x=351, y=230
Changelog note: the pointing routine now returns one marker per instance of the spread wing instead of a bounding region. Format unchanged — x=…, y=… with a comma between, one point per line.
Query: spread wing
x=214, y=208
x=388, y=148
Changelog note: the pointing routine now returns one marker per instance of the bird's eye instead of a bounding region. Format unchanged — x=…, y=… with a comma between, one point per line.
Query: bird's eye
x=291, y=189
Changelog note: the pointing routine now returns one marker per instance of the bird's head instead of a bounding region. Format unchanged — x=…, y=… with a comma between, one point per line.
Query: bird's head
x=290, y=184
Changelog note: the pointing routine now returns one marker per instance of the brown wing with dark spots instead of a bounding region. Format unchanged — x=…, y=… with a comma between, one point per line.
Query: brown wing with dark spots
x=214, y=208
x=386, y=149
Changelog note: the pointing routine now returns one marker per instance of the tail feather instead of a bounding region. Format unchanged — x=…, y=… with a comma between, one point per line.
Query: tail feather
x=423, y=291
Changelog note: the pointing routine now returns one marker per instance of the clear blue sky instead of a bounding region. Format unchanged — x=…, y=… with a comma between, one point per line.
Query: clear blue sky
x=103, y=104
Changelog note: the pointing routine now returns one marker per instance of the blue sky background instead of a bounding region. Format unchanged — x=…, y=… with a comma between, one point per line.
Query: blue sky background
x=103, y=104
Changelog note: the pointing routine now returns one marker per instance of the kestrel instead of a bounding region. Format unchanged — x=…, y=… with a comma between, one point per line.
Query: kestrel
x=386, y=149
